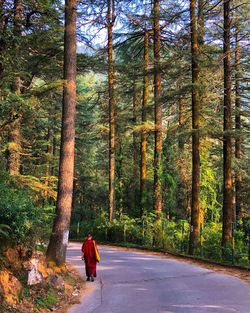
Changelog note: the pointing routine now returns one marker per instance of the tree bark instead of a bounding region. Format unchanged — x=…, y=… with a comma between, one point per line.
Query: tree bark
x=238, y=150
x=54, y=154
x=182, y=200
x=227, y=140
x=135, y=145
x=13, y=150
x=201, y=32
x=180, y=121
x=143, y=165
x=59, y=238
x=49, y=155
x=158, y=113
x=119, y=174
x=2, y=44
x=110, y=24
x=195, y=206
x=14, y=145
x=135, y=150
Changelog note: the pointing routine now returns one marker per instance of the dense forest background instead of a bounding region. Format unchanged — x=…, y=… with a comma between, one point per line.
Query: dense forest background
x=146, y=86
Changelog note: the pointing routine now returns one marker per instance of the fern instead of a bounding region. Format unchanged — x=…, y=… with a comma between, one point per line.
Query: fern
x=4, y=230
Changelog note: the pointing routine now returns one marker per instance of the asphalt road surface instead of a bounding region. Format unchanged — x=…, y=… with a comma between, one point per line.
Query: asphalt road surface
x=136, y=282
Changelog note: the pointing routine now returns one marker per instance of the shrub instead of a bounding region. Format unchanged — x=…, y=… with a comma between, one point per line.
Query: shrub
x=212, y=241
x=25, y=222
x=167, y=235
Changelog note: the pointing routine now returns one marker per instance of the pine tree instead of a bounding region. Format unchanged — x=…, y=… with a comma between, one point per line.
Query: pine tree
x=143, y=163
x=227, y=137
x=158, y=112
x=14, y=146
x=59, y=238
x=195, y=206
x=238, y=144
x=110, y=24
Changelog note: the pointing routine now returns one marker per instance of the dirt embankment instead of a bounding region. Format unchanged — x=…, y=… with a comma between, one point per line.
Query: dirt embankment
x=29, y=284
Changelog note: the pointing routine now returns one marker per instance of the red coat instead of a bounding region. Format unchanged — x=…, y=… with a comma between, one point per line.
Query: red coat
x=88, y=250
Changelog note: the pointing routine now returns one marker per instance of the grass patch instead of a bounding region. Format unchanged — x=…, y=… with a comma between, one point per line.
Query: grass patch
x=47, y=301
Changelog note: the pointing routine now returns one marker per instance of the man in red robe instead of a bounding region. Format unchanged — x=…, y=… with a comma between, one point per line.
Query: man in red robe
x=89, y=256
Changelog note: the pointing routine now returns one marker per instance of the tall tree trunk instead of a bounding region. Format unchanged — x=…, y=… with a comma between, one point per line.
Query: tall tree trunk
x=182, y=202
x=135, y=144
x=59, y=237
x=238, y=178
x=135, y=150
x=119, y=173
x=143, y=165
x=195, y=206
x=158, y=113
x=201, y=32
x=14, y=145
x=227, y=140
x=110, y=24
x=2, y=44
x=180, y=121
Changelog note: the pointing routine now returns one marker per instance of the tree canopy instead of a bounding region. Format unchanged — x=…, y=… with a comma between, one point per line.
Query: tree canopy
x=161, y=155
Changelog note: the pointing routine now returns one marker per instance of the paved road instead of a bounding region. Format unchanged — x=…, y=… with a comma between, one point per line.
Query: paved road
x=135, y=282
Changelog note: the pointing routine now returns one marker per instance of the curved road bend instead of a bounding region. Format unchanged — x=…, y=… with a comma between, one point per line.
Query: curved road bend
x=135, y=282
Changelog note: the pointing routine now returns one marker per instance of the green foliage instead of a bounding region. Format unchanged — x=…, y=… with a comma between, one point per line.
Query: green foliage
x=35, y=55
x=148, y=225
x=175, y=235
x=47, y=301
x=171, y=236
x=212, y=241
x=209, y=187
x=4, y=230
x=27, y=223
x=25, y=293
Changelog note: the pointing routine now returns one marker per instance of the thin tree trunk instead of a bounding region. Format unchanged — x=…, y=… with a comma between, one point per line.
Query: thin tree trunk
x=238, y=178
x=143, y=165
x=59, y=237
x=180, y=121
x=135, y=150
x=201, y=32
x=110, y=24
x=2, y=44
x=227, y=140
x=14, y=145
x=119, y=173
x=182, y=202
x=195, y=206
x=158, y=113
x=13, y=150
x=135, y=144
x=54, y=152
x=49, y=153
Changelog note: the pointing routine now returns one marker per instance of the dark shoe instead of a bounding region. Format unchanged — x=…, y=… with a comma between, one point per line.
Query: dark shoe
x=88, y=279
x=92, y=278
